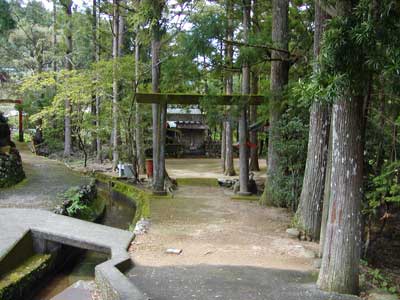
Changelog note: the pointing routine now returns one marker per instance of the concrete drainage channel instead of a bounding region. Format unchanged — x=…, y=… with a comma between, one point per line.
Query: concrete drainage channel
x=44, y=233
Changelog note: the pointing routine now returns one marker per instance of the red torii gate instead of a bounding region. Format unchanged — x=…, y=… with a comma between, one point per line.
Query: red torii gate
x=20, y=116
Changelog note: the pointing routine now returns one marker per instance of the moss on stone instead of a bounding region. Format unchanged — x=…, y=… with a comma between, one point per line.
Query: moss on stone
x=14, y=284
x=97, y=207
x=11, y=171
x=245, y=198
x=198, y=181
x=139, y=197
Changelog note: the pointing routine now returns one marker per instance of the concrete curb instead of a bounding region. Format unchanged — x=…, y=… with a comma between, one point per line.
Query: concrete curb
x=49, y=229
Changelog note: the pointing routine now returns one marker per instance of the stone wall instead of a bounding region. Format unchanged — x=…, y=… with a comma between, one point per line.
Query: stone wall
x=11, y=171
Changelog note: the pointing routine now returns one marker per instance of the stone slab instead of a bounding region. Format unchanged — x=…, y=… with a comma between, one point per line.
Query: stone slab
x=80, y=290
x=44, y=225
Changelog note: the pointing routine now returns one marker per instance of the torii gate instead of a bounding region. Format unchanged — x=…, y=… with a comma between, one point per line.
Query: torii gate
x=192, y=99
x=20, y=116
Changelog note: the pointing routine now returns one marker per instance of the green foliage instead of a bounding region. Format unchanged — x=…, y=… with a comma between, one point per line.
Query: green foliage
x=376, y=278
x=385, y=187
x=292, y=130
x=6, y=21
x=77, y=202
x=353, y=48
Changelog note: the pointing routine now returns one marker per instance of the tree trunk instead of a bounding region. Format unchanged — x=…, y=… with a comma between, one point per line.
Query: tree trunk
x=382, y=122
x=223, y=146
x=98, y=100
x=341, y=256
x=243, y=148
x=279, y=80
x=327, y=193
x=159, y=110
x=138, y=116
x=121, y=30
x=309, y=212
x=115, y=85
x=54, y=35
x=254, y=166
x=67, y=118
x=229, y=165
x=94, y=93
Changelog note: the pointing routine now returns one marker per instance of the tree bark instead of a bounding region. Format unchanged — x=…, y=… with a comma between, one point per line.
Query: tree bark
x=67, y=118
x=309, y=212
x=327, y=193
x=279, y=80
x=98, y=100
x=138, y=116
x=94, y=93
x=229, y=165
x=115, y=85
x=341, y=255
x=54, y=35
x=254, y=166
x=158, y=110
x=243, y=148
x=223, y=146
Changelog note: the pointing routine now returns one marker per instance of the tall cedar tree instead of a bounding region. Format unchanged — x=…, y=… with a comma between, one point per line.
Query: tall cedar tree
x=67, y=4
x=243, y=148
x=341, y=256
x=115, y=88
x=159, y=110
x=309, y=212
x=229, y=166
x=279, y=80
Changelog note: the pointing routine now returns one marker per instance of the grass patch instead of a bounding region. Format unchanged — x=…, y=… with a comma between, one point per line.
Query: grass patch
x=156, y=197
x=245, y=198
x=198, y=181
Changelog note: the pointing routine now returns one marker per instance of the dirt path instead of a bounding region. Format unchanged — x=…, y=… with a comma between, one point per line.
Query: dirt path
x=45, y=179
x=204, y=168
x=212, y=229
x=231, y=251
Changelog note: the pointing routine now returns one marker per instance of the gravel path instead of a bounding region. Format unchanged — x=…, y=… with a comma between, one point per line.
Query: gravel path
x=45, y=179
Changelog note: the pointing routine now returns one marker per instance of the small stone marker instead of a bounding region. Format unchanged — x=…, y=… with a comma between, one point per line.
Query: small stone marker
x=293, y=233
x=128, y=170
x=174, y=251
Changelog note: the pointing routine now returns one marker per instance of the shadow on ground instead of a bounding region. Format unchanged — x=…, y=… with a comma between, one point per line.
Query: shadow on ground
x=207, y=282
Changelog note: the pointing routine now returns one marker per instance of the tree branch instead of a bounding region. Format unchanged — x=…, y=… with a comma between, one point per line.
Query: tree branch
x=328, y=8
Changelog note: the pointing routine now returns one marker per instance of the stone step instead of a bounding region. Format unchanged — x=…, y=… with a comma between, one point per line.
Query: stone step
x=80, y=290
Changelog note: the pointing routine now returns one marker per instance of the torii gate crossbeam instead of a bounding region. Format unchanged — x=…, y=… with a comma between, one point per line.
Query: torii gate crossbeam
x=20, y=116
